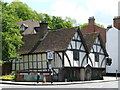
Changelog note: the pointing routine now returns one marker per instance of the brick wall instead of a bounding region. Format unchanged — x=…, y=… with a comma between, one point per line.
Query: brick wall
x=116, y=22
x=91, y=27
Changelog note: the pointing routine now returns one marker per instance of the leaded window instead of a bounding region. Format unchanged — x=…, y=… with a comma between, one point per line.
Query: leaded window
x=76, y=55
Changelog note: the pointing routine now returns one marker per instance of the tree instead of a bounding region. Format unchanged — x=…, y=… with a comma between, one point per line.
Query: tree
x=26, y=13
x=83, y=25
x=11, y=37
x=57, y=22
x=23, y=11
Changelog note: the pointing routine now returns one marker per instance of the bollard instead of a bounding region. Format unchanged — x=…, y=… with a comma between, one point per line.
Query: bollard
x=116, y=73
x=65, y=79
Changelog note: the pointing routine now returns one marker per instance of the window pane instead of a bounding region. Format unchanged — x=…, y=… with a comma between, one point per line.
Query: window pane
x=26, y=58
x=34, y=64
x=21, y=66
x=76, y=55
x=30, y=57
x=34, y=57
x=30, y=65
x=43, y=56
x=17, y=66
x=44, y=64
x=39, y=57
x=26, y=65
x=39, y=65
x=97, y=57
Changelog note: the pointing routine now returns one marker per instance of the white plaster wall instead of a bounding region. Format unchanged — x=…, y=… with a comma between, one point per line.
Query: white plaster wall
x=112, y=49
x=76, y=63
x=92, y=58
x=119, y=49
x=81, y=58
x=58, y=61
x=101, y=57
x=96, y=64
x=70, y=55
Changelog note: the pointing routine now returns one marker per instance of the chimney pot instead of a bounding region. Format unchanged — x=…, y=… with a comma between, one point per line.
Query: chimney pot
x=91, y=20
x=109, y=26
x=116, y=22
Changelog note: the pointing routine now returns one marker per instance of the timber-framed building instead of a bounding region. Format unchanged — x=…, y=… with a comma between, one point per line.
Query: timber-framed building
x=76, y=56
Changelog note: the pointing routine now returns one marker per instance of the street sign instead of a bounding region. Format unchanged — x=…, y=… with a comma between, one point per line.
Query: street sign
x=15, y=58
x=50, y=55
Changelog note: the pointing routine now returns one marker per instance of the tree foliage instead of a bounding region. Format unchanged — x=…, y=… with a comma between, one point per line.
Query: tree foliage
x=11, y=38
x=24, y=12
x=19, y=11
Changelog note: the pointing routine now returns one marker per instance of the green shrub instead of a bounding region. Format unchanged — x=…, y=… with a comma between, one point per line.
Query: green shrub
x=7, y=77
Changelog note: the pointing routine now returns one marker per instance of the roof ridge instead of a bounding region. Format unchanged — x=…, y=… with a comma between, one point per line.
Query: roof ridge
x=62, y=29
x=100, y=27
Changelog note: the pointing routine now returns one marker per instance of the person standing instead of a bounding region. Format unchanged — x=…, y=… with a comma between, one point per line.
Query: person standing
x=38, y=77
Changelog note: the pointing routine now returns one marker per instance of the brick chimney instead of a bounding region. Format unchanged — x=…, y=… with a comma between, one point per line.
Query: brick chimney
x=91, y=20
x=43, y=29
x=116, y=22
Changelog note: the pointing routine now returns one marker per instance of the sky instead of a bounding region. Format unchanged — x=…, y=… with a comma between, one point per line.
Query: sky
x=103, y=10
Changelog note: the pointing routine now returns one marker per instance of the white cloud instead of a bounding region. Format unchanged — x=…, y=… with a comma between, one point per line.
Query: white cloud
x=81, y=10
x=103, y=10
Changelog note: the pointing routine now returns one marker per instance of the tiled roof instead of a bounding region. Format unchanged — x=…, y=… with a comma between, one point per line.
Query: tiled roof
x=29, y=24
x=90, y=39
x=56, y=40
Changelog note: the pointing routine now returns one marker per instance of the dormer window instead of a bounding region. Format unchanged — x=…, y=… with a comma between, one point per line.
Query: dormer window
x=34, y=32
x=23, y=28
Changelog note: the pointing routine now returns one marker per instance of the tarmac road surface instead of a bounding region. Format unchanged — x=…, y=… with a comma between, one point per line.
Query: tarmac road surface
x=111, y=84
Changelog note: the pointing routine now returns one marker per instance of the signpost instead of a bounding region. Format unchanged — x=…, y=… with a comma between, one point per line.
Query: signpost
x=50, y=55
x=116, y=73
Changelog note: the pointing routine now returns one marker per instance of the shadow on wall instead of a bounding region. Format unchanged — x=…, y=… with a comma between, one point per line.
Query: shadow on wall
x=6, y=68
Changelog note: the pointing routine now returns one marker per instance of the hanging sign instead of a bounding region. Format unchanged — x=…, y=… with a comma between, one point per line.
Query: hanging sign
x=50, y=55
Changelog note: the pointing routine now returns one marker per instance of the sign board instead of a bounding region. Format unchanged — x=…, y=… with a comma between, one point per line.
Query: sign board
x=33, y=77
x=30, y=77
x=50, y=55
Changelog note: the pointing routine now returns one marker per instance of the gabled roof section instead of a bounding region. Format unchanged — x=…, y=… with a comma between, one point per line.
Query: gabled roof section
x=56, y=40
x=30, y=24
x=83, y=40
x=90, y=39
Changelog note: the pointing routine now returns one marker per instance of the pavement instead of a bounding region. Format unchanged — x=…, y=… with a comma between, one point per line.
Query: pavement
x=105, y=79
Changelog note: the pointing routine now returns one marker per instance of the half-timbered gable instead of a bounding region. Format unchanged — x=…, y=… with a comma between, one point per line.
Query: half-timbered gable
x=97, y=52
x=76, y=51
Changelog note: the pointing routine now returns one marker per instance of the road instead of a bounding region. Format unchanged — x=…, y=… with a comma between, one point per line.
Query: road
x=111, y=84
